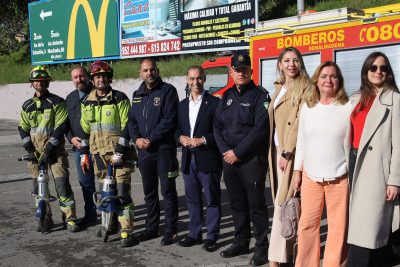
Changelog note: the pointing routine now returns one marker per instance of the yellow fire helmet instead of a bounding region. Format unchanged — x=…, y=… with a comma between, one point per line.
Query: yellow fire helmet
x=39, y=73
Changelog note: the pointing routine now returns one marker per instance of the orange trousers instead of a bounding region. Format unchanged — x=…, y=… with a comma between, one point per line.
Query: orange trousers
x=313, y=197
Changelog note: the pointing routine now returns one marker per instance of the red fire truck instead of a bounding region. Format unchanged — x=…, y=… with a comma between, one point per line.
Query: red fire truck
x=344, y=35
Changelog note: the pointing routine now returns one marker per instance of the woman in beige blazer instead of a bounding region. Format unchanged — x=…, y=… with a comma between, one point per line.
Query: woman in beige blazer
x=374, y=160
x=283, y=113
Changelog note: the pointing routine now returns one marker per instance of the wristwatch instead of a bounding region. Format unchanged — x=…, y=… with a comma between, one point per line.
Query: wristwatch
x=204, y=140
x=286, y=155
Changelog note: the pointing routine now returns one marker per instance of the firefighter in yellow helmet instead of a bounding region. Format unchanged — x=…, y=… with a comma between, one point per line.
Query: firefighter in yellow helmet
x=104, y=122
x=43, y=123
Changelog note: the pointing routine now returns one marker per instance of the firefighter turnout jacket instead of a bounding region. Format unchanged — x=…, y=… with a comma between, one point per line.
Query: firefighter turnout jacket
x=104, y=122
x=43, y=123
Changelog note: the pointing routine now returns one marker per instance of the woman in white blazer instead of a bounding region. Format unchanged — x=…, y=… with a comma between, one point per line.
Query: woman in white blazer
x=373, y=153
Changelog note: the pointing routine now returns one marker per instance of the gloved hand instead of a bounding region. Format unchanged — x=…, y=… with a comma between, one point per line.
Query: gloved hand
x=33, y=156
x=44, y=157
x=85, y=163
x=116, y=159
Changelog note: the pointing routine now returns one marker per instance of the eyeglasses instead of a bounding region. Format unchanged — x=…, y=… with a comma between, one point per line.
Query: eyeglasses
x=374, y=68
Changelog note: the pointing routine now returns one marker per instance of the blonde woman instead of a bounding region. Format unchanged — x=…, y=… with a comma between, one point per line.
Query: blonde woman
x=320, y=168
x=283, y=118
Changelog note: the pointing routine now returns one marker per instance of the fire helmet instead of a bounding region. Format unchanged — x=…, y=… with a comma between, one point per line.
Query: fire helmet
x=39, y=73
x=100, y=67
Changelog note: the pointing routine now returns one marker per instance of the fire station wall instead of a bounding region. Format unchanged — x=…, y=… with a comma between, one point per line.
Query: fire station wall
x=14, y=95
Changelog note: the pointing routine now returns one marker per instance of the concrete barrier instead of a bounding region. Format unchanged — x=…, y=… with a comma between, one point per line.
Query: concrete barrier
x=14, y=95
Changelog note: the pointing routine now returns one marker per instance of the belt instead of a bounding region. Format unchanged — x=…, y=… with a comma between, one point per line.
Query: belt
x=335, y=180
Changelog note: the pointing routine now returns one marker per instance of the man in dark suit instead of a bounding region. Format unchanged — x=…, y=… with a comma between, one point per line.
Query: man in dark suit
x=201, y=160
x=80, y=79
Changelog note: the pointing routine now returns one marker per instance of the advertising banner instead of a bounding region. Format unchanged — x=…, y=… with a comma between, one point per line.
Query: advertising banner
x=73, y=30
x=149, y=27
x=162, y=27
x=209, y=26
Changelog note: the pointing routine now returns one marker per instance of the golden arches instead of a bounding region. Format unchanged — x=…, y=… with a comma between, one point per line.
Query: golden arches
x=96, y=34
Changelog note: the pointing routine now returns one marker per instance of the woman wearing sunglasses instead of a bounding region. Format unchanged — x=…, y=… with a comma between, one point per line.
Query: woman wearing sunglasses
x=373, y=156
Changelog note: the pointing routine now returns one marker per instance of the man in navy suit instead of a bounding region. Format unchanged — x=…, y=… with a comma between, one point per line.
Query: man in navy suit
x=201, y=160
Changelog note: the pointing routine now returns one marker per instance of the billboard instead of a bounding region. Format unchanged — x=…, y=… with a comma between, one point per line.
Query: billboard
x=73, y=30
x=163, y=27
x=81, y=30
x=149, y=27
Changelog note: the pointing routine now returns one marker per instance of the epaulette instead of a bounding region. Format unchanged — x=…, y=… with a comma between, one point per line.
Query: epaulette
x=264, y=90
x=119, y=96
x=54, y=99
x=27, y=104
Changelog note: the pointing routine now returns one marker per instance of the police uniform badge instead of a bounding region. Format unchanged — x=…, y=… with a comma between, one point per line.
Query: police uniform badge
x=108, y=113
x=156, y=101
x=240, y=58
x=229, y=102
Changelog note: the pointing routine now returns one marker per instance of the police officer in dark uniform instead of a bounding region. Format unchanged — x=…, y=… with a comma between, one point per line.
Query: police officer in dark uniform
x=152, y=124
x=241, y=131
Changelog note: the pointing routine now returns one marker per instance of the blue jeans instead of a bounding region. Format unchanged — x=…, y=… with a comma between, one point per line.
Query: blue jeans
x=88, y=186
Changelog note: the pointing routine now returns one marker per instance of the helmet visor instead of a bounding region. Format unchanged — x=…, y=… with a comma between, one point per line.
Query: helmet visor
x=98, y=67
x=39, y=75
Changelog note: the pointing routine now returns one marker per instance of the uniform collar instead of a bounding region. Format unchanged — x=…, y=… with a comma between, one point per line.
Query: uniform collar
x=143, y=87
x=45, y=94
x=245, y=88
x=93, y=96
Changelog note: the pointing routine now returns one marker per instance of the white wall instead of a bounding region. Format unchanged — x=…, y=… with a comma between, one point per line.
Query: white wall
x=12, y=96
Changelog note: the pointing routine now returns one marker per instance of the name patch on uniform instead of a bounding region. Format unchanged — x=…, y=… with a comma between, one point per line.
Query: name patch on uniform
x=229, y=102
x=245, y=104
x=156, y=101
x=108, y=113
x=136, y=100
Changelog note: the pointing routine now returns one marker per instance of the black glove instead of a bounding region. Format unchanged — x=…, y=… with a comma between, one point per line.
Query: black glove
x=33, y=156
x=44, y=157
x=120, y=149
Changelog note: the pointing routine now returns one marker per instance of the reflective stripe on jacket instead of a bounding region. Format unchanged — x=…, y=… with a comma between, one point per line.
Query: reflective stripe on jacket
x=104, y=122
x=42, y=120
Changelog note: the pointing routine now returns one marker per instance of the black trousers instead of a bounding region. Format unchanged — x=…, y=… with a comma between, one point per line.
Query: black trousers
x=363, y=257
x=352, y=163
x=154, y=166
x=245, y=182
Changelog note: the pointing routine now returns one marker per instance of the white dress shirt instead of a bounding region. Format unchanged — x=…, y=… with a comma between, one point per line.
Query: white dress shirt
x=194, y=107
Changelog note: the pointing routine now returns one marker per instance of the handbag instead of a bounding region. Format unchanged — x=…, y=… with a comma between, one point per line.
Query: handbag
x=290, y=215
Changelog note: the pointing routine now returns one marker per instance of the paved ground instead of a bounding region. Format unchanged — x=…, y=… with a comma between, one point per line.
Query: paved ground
x=20, y=245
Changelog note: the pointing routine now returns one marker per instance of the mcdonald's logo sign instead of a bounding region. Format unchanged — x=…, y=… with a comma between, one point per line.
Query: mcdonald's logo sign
x=97, y=33
x=65, y=30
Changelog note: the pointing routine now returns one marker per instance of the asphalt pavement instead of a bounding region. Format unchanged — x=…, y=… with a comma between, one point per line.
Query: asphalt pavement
x=21, y=245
